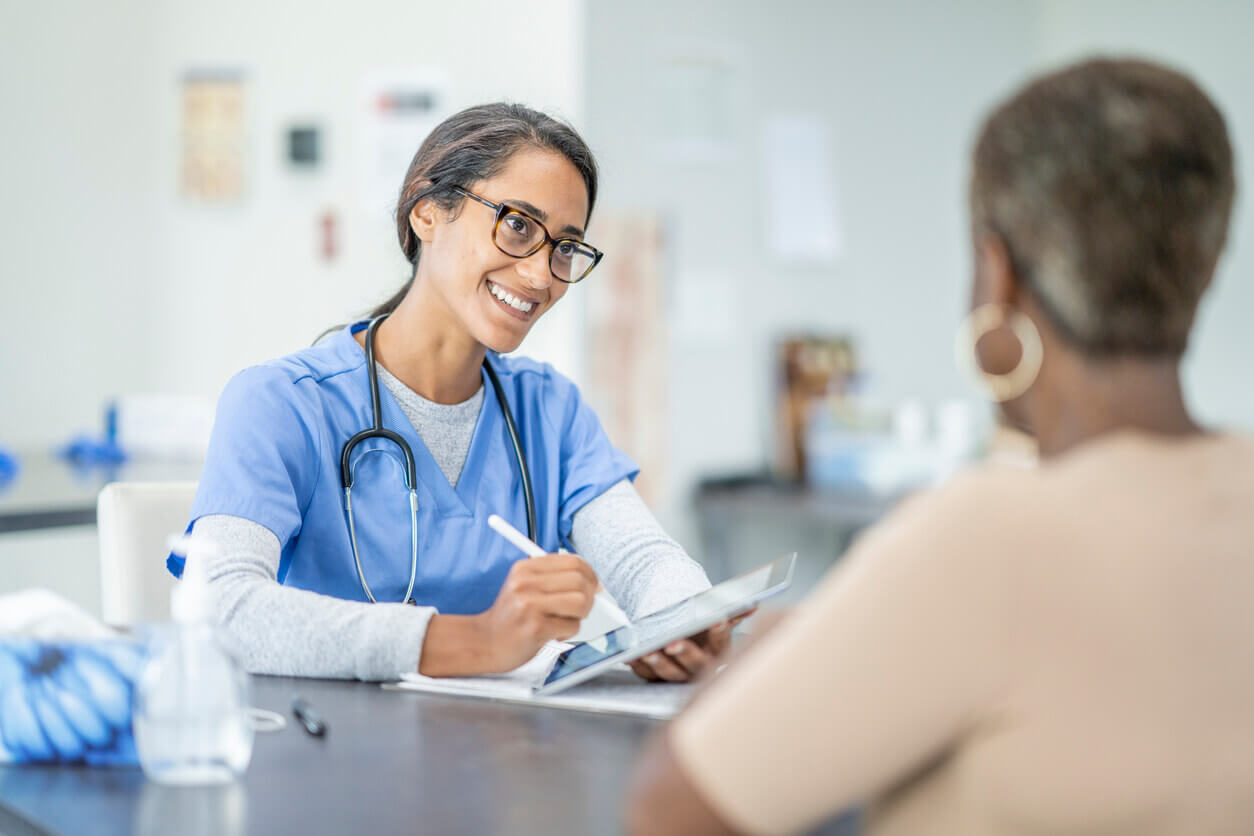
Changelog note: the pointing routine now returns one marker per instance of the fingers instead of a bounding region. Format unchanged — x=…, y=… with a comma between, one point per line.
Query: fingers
x=559, y=585
x=553, y=582
x=550, y=563
x=686, y=659
x=556, y=627
x=717, y=639
x=543, y=598
x=574, y=605
x=690, y=656
x=679, y=661
x=665, y=668
x=642, y=670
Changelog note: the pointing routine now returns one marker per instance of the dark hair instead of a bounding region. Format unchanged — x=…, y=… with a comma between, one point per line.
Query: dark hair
x=1110, y=183
x=473, y=145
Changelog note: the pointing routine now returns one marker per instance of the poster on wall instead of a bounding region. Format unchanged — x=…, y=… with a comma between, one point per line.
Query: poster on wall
x=397, y=111
x=627, y=342
x=212, y=163
x=800, y=213
x=698, y=103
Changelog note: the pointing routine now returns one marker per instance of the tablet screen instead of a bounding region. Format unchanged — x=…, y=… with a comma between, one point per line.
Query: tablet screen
x=678, y=620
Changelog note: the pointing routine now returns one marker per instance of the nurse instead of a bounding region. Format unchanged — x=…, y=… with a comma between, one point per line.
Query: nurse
x=491, y=217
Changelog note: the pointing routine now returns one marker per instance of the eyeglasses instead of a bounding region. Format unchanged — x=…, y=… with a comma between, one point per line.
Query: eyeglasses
x=519, y=235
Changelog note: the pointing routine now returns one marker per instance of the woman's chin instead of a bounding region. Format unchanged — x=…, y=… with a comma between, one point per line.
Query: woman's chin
x=502, y=343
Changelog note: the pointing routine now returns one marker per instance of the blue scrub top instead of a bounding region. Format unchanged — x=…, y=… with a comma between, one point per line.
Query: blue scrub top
x=274, y=458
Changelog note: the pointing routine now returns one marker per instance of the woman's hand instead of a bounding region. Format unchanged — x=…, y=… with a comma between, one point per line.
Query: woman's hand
x=685, y=659
x=543, y=598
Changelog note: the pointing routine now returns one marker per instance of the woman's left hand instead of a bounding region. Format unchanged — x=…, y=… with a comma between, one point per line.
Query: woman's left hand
x=685, y=659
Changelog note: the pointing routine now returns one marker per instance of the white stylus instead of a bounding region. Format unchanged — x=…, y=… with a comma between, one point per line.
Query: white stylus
x=603, y=603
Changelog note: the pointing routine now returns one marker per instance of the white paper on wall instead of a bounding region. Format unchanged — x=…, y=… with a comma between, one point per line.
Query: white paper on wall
x=397, y=111
x=705, y=308
x=697, y=103
x=802, y=222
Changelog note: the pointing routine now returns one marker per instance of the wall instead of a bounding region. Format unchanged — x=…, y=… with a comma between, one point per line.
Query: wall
x=251, y=281
x=77, y=160
x=104, y=260
x=900, y=86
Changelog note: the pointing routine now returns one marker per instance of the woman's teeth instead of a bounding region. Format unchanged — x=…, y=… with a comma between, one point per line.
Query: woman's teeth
x=510, y=299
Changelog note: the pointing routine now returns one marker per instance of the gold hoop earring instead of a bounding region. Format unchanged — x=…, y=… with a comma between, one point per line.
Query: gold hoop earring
x=989, y=317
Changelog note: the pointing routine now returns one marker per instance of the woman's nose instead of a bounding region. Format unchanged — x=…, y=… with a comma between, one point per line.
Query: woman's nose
x=534, y=269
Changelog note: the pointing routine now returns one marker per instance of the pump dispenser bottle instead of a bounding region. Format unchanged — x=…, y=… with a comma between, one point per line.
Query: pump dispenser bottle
x=191, y=713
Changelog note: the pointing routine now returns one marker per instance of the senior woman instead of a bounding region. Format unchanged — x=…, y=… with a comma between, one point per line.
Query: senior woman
x=1068, y=649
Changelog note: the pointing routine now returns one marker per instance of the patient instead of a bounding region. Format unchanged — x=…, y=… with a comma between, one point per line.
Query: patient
x=1065, y=649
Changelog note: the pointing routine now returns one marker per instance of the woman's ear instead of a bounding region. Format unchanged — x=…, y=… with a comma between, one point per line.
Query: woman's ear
x=995, y=279
x=423, y=219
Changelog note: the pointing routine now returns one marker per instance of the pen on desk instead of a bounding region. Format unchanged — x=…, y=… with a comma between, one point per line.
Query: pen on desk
x=608, y=609
x=309, y=717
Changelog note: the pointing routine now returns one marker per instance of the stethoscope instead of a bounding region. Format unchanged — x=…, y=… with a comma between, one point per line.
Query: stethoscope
x=411, y=471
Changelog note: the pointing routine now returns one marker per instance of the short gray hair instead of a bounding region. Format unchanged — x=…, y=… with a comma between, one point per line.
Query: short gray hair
x=1111, y=184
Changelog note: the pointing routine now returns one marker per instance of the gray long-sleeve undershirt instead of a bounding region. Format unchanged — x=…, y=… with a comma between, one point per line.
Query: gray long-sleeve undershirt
x=284, y=630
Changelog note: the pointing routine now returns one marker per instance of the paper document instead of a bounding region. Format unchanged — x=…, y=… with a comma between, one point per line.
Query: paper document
x=800, y=212
x=618, y=691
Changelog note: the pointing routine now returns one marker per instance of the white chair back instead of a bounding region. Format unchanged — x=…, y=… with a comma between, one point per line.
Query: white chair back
x=135, y=520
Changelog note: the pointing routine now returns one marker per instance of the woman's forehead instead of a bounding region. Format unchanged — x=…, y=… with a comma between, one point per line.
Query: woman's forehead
x=545, y=183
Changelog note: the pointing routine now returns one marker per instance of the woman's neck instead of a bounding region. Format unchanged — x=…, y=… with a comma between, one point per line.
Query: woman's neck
x=422, y=345
x=1081, y=399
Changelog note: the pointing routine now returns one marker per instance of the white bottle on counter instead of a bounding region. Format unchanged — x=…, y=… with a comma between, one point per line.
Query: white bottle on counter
x=191, y=710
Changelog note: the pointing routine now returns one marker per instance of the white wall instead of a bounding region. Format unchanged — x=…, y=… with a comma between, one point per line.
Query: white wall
x=112, y=283
x=77, y=164
x=251, y=279
x=900, y=85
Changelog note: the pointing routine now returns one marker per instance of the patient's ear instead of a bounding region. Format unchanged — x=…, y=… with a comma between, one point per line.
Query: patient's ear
x=995, y=279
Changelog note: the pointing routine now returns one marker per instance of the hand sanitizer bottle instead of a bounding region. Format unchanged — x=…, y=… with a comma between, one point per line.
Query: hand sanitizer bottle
x=191, y=712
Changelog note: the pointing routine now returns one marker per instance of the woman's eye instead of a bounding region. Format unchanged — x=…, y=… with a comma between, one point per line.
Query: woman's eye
x=566, y=249
x=518, y=225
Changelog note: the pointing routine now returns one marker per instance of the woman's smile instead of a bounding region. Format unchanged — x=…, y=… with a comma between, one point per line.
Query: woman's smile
x=514, y=302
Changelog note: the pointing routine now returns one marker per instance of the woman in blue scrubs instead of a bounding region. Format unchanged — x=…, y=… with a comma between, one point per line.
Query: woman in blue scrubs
x=491, y=217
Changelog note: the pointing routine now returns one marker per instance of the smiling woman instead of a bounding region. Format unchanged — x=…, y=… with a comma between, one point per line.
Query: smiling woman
x=327, y=492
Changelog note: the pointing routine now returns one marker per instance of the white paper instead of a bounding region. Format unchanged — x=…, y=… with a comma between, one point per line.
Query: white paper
x=705, y=308
x=515, y=683
x=617, y=691
x=801, y=218
x=398, y=110
x=698, y=97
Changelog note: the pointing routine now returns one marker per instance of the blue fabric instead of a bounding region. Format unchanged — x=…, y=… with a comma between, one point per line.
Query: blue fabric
x=274, y=459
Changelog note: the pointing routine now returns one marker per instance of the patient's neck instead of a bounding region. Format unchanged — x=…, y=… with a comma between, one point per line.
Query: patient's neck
x=1080, y=399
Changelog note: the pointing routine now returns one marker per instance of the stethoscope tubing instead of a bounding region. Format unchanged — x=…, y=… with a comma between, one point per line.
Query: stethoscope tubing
x=411, y=471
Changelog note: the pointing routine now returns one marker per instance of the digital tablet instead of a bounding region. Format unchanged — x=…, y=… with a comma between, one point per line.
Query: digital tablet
x=678, y=621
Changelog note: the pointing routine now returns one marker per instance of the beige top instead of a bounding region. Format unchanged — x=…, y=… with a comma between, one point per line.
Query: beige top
x=1067, y=650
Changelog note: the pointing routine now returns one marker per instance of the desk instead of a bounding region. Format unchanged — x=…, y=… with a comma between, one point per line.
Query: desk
x=48, y=493
x=390, y=763
x=819, y=523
